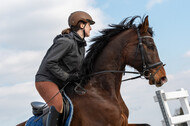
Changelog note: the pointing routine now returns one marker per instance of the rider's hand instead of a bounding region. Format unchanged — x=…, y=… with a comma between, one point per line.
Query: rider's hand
x=73, y=78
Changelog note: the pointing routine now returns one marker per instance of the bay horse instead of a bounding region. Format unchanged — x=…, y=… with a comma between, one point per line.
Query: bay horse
x=122, y=44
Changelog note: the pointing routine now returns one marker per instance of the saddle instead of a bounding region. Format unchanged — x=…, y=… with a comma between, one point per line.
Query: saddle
x=40, y=109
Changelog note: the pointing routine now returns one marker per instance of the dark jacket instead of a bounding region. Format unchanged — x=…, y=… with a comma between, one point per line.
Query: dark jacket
x=64, y=57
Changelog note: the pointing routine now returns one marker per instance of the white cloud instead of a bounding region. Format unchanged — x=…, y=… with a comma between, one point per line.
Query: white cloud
x=15, y=103
x=18, y=66
x=187, y=54
x=151, y=3
x=33, y=24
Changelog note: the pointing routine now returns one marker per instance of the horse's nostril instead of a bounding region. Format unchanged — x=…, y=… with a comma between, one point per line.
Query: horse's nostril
x=164, y=80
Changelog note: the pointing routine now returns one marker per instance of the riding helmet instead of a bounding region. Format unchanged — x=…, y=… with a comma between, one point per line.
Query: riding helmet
x=77, y=16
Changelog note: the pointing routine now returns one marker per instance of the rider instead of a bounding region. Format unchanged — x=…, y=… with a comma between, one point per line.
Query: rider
x=62, y=62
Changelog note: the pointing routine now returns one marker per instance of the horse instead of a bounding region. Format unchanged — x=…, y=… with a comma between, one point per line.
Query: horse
x=126, y=43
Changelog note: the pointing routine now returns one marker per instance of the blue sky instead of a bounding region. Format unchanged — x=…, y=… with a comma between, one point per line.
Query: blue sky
x=170, y=22
x=27, y=29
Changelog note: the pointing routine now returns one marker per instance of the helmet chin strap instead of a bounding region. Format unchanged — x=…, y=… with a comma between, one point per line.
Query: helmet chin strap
x=84, y=31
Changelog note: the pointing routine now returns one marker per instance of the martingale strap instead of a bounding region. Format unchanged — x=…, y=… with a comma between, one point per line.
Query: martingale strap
x=112, y=71
x=117, y=71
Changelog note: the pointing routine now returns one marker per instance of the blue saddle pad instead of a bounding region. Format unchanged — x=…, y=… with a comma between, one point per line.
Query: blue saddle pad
x=68, y=121
x=32, y=122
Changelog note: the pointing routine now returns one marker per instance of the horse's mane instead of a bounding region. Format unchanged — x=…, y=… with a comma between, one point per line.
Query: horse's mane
x=101, y=41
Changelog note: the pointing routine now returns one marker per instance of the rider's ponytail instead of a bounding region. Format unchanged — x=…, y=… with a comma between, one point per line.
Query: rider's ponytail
x=66, y=31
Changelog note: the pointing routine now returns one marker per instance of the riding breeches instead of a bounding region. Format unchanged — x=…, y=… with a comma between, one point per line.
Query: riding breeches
x=49, y=92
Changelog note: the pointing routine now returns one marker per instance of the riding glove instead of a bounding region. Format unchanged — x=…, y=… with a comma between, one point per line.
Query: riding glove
x=73, y=78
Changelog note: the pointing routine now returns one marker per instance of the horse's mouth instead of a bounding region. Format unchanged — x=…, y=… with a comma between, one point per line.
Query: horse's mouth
x=159, y=83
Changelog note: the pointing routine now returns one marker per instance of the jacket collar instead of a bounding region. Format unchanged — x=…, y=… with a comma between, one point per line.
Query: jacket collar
x=81, y=42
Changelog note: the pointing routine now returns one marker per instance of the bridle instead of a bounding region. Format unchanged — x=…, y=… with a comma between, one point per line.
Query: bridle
x=146, y=66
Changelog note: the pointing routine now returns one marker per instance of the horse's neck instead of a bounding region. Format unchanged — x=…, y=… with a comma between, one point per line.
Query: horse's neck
x=110, y=59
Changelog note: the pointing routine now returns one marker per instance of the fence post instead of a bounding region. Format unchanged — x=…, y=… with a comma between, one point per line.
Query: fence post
x=181, y=95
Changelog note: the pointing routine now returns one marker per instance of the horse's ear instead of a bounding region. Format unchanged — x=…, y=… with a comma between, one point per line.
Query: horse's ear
x=145, y=25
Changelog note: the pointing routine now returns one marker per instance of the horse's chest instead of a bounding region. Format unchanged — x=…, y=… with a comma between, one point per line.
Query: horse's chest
x=100, y=113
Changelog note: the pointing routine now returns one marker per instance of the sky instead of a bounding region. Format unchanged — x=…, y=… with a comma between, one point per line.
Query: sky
x=27, y=29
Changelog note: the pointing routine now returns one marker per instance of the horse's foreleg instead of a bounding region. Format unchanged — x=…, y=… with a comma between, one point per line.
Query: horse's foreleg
x=124, y=120
x=138, y=125
x=22, y=124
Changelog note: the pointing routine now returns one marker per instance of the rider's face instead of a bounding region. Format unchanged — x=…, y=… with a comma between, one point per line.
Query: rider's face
x=87, y=30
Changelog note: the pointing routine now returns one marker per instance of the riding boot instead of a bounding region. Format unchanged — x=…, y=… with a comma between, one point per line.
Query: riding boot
x=53, y=116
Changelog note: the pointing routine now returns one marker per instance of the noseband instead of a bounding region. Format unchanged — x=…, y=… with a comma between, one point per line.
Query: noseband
x=146, y=66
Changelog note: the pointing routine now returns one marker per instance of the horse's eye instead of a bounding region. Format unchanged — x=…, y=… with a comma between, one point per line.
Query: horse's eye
x=151, y=47
x=149, y=44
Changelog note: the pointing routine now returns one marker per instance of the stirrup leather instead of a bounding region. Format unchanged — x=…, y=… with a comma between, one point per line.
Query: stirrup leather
x=52, y=118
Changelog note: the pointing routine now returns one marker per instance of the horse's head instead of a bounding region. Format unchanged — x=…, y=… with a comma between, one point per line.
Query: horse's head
x=145, y=56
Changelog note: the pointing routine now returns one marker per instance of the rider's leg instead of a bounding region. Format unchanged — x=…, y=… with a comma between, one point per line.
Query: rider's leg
x=48, y=90
x=53, y=117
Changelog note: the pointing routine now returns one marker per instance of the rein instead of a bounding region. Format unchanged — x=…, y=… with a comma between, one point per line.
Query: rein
x=116, y=71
